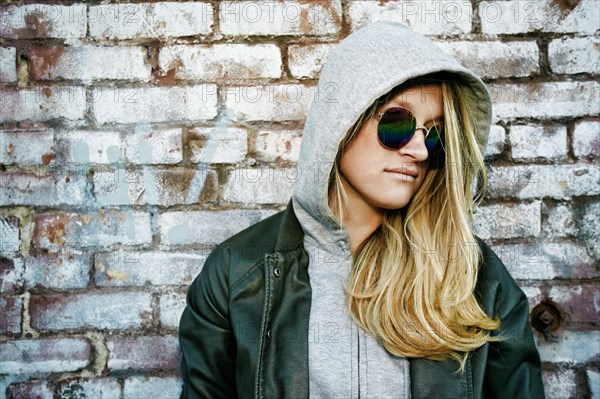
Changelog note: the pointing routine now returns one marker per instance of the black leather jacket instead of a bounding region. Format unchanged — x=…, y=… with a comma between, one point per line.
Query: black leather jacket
x=244, y=332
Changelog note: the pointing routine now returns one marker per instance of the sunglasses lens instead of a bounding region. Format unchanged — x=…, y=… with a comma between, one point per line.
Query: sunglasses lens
x=435, y=146
x=434, y=138
x=396, y=127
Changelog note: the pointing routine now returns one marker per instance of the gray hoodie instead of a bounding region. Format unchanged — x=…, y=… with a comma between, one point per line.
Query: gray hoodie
x=344, y=361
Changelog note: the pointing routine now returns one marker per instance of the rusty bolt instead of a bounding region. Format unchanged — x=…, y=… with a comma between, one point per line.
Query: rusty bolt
x=546, y=317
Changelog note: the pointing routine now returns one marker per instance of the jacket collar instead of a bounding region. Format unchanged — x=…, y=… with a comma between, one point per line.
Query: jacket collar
x=290, y=234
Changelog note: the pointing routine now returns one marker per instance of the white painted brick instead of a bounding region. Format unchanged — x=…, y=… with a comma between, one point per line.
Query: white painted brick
x=11, y=308
x=306, y=61
x=534, y=295
x=579, y=303
x=26, y=147
x=561, y=222
x=272, y=145
x=205, y=227
x=150, y=20
x=113, y=311
x=508, y=221
x=85, y=146
x=91, y=230
x=154, y=186
x=559, y=384
x=147, y=387
x=127, y=268
x=88, y=63
x=428, y=17
x=30, y=189
x=593, y=378
x=588, y=227
x=147, y=145
x=10, y=238
x=143, y=145
x=218, y=145
x=171, y=308
x=280, y=18
x=12, y=269
x=220, y=61
x=547, y=261
x=523, y=16
x=144, y=353
x=548, y=100
x=44, y=355
x=493, y=59
x=260, y=185
x=98, y=388
x=27, y=389
x=119, y=186
x=67, y=270
x=586, y=139
x=569, y=346
x=154, y=104
x=549, y=142
x=539, y=181
x=42, y=103
x=8, y=68
x=496, y=138
x=274, y=103
x=43, y=21
x=575, y=55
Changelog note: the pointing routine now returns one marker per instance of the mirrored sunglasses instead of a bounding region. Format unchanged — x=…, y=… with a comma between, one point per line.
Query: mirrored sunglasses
x=398, y=125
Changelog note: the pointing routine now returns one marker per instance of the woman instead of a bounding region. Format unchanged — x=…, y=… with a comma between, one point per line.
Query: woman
x=371, y=283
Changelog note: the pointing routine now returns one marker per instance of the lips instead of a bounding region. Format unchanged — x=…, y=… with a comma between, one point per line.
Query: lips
x=404, y=171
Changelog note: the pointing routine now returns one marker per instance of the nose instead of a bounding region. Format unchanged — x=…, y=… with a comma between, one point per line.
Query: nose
x=416, y=146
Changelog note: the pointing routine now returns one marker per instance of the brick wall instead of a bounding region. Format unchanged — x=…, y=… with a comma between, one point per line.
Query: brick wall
x=135, y=136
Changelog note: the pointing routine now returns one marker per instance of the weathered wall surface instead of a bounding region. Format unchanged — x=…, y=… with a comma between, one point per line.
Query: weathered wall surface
x=135, y=136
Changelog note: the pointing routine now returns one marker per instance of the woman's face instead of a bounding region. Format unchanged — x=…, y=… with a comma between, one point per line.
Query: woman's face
x=376, y=177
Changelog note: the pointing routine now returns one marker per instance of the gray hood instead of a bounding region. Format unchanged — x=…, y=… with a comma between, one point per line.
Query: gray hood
x=361, y=68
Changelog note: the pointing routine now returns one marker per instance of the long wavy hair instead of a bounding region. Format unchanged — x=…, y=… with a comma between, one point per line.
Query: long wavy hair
x=412, y=283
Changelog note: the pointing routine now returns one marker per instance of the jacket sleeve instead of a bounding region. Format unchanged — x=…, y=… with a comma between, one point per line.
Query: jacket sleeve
x=205, y=336
x=513, y=368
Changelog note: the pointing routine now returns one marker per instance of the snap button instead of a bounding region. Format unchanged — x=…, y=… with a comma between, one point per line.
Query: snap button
x=277, y=272
x=269, y=334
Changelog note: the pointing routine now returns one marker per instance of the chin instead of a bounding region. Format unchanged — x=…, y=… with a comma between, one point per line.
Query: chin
x=393, y=204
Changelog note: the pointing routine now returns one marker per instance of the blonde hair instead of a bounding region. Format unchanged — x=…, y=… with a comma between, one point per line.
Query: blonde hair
x=413, y=279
